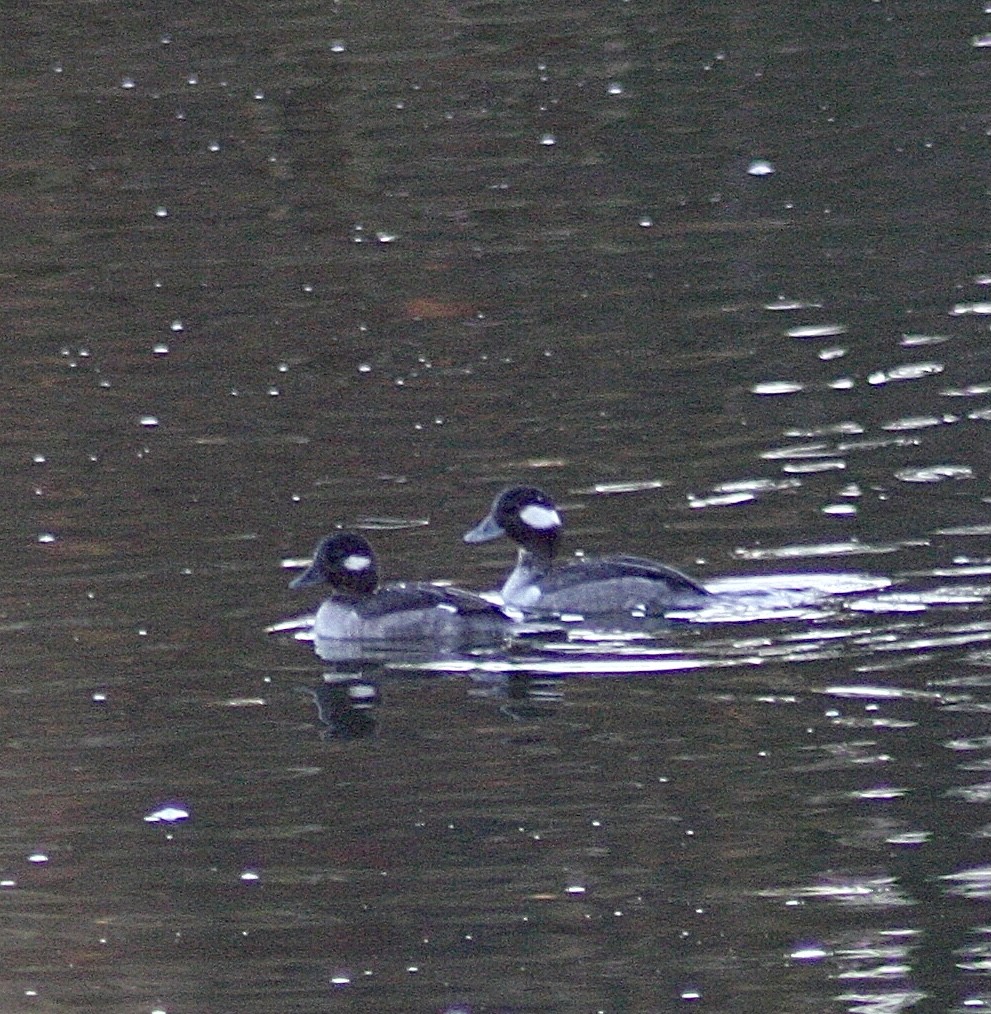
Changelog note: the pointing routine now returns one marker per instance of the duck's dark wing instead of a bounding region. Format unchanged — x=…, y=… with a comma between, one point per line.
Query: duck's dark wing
x=412, y=595
x=606, y=568
x=469, y=603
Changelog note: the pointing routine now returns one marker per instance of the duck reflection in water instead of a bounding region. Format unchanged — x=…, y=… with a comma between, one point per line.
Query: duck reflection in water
x=521, y=696
x=346, y=705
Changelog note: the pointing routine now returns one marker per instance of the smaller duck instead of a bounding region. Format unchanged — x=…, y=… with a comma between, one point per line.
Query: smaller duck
x=413, y=611
x=588, y=587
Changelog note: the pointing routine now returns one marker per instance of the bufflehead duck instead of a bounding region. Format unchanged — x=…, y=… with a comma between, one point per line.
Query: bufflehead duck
x=596, y=585
x=359, y=609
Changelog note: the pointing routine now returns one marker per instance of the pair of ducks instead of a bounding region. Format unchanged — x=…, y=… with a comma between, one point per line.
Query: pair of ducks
x=361, y=609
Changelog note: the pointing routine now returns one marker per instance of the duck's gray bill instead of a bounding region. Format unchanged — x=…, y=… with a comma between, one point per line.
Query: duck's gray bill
x=304, y=580
x=484, y=531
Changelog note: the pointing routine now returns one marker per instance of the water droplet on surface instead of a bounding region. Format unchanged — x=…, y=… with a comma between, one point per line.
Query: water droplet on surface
x=808, y=954
x=934, y=473
x=816, y=331
x=771, y=387
x=962, y=309
x=909, y=371
x=168, y=814
x=719, y=500
x=811, y=467
x=913, y=340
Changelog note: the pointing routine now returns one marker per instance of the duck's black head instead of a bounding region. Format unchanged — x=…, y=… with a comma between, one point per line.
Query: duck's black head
x=527, y=515
x=345, y=561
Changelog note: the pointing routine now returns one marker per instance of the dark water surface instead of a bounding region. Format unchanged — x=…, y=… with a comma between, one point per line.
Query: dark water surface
x=272, y=268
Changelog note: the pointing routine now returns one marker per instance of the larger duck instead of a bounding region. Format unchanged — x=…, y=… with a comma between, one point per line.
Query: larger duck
x=587, y=587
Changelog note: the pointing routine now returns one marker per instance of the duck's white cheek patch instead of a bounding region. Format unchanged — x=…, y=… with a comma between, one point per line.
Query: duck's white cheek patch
x=356, y=563
x=540, y=517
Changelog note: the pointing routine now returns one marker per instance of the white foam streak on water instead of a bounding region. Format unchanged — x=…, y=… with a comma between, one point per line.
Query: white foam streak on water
x=299, y=626
x=947, y=640
x=908, y=371
x=720, y=500
x=964, y=530
x=916, y=601
x=828, y=584
x=575, y=666
x=934, y=473
x=850, y=548
x=619, y=487
x=962, y=571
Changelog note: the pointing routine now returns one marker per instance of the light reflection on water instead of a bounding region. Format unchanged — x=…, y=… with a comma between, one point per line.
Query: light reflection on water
x=847, y=780
x=324, y=267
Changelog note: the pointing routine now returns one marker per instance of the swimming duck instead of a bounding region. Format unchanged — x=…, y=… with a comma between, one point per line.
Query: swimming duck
x=591, y=586
x=359, y=609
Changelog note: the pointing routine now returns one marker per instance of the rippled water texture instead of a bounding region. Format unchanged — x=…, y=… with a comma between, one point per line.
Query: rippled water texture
x=717, y=277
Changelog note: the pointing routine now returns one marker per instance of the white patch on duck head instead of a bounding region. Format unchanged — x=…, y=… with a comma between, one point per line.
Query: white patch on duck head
x=356, y=562
x=535, y=515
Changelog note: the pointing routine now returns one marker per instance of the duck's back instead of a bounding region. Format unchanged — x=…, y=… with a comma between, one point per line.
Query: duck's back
x=609, y=584
x=411, y=611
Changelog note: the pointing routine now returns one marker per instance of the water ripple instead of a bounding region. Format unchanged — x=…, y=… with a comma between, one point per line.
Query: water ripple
x=974, y=883
x=907, y=371
x=860, y=891
x=852, y=547
x=934, y=473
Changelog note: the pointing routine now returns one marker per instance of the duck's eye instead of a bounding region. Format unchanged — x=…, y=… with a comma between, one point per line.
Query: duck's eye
x=356, y=563
x=540, y=517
